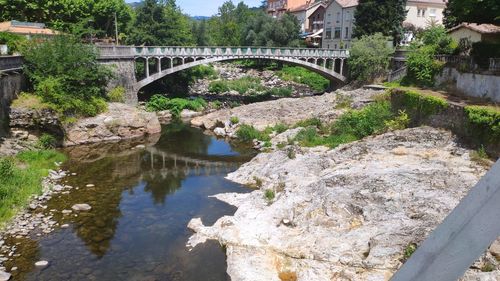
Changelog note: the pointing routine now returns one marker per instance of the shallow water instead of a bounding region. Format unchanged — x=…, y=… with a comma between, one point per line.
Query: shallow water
x=141, y=204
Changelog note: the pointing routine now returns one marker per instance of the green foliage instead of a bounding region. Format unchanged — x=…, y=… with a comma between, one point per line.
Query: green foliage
x=67, y=75
x=343, y=101
x=419, y=105
x=234, y=120
x=117, y=94
x=161, y=23
x=290, y=153
x=369, y=58
x=244, y=85
x=409, y=250
x=280, y=92
x=248, y=133
x=13, y=41
x=421, y=62
x=29, y=101
x=422, y=66
x=303, y=76
x=483, y=51
x=47, y=141
x=280, y=128
x=175, y=105
x=21, y=177
x=269, y=195
x=315, y=122
x=262, y=30
x=386, y=17
x=484, y=123
x=400, y=122
x=478, y=11
x=481, y=156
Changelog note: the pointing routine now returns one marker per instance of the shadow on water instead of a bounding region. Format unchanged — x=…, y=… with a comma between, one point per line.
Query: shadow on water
x=141, y=203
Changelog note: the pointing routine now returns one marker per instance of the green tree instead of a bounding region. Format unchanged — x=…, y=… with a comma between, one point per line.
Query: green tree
x=369, y=58
x=262, y=30
x=376, y=16
x=67, y=75
x=200, y=33
x=477, y=11
x=160, y=23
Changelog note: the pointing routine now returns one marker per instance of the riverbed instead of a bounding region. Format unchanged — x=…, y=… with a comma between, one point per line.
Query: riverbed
x=141, y=198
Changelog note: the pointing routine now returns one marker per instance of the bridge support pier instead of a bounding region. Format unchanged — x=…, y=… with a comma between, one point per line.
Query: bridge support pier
x=123, y=76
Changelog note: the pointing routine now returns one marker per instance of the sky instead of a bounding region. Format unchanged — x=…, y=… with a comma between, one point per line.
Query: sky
x=205, y=7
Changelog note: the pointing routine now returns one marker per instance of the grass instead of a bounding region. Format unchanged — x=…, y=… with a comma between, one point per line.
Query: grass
x=409, y=250
x=244, y=85
x=234, y=120
x=175, y=105
x=303, y=76
x=481, y=157
x=21, y=177
x=269, y=195
x=343, y=101
x=29, y=101
x=280, y=92
x=117, y=94
x=248, y=133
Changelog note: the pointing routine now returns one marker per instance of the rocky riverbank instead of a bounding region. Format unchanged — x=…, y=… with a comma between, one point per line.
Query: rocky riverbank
x=351, y=213
x=286, y=111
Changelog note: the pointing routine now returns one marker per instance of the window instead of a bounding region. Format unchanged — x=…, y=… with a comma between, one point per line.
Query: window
x=432, y=13
x=329, y=15
x=328, y=34
x=335, y=47
x=346, y=34
x=338, y=17
x=421, y=12
x=336, y=35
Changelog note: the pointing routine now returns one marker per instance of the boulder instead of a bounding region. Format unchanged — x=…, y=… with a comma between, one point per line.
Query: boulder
x=4, y=276
x=41, y=264
x=164, y=116
x=120, y=122
x=81, y=207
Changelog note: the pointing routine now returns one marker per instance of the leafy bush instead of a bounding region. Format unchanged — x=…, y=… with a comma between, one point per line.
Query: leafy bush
x=234, y=120
x=369, y=58
x=419, y=105
x=400, y=122
x=303, y=76
x=175, y=105
x=438, y=37
x=117, y=94
x=47, y=141
x=484, y=123
x=202, y=71
x=422, y=66
x=218, y=87
x=13, y=41
x=66, y=74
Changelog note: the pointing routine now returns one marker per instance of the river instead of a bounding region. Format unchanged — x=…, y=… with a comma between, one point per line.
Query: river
x=141, y=204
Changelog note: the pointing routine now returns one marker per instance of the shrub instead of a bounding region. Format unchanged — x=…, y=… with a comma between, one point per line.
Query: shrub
x=66, y=74
x=117, y=94
x=438, y=37
x=343, y=101
x=218, y=87
x=363, y=122
x=234, y=120
x=419, y=105
x=422, y=66
x=309, y=122
x=369, y=58
x=13, y=41
x=243, y=85
x=202, y=71
x=47, y=141
x=399, y=123
x=483, y=124
x=269, y=195
x=303, y=76
x=175, y=105
x=249, y=133
x=29, y=101
x=280, y=128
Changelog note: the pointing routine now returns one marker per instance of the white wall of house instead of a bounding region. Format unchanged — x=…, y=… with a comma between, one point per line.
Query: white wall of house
x=463, y=32
x=301, y=17
x=421, y=14
x=338, y=28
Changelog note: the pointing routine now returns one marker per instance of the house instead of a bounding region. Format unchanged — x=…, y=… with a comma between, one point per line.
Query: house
x=26, y=28
x=277, y=8
x=473, y=32
x=339, y=20
x=422, y=13
x=338, y=24
x=301, y=14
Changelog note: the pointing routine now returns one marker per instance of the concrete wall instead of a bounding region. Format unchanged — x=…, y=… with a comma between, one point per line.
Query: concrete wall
x=124, y=76
x=10, y=86
x=471, y=84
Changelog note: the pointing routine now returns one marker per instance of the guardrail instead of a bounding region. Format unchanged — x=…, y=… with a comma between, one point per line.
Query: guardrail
x=494, y=65
x=11, y=63
x=131, y=51
x=397, y=74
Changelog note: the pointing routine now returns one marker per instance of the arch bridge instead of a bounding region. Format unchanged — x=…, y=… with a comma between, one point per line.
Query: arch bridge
x=161, y=61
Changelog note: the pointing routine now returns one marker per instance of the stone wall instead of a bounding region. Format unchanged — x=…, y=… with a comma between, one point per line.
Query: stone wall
x=10, y=86
x=124, y=76
x=471, y=84
x=454, y=118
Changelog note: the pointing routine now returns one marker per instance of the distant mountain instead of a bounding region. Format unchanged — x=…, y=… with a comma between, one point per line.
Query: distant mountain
x=200, y=18
x=135, y=4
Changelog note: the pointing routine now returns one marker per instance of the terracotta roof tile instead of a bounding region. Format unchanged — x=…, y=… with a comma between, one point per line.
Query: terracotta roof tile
x=347, y=3
x=481, y=28
x=8, y=27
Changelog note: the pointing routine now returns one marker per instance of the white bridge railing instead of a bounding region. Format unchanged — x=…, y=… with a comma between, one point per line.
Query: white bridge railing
x=130, y=51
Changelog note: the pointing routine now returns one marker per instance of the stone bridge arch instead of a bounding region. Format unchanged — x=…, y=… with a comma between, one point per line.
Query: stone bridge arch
x=328, y=63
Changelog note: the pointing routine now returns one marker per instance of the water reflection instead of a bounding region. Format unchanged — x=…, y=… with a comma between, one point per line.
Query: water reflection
x=141, y=204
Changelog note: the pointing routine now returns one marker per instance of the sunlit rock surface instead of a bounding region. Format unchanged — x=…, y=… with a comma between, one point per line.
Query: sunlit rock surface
x=347, y=213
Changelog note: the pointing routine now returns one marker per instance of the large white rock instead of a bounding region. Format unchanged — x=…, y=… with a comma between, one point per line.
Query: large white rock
x=120, y=122
x=4, y=276
x=350, y=211
x=81, y=207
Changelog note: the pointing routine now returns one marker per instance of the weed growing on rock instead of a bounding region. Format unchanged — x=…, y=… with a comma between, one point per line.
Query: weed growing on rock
x=117, y=94
x=303, y=76
x=481, y=157
x=399, y=123
x=234, y=120
x=47, y=141
x=248, y=133
x=488, y=267
x=258, y=182
x=175, y=105
x=343, y=101
x=269, y=195
x=409, y=250
x=291, y=153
